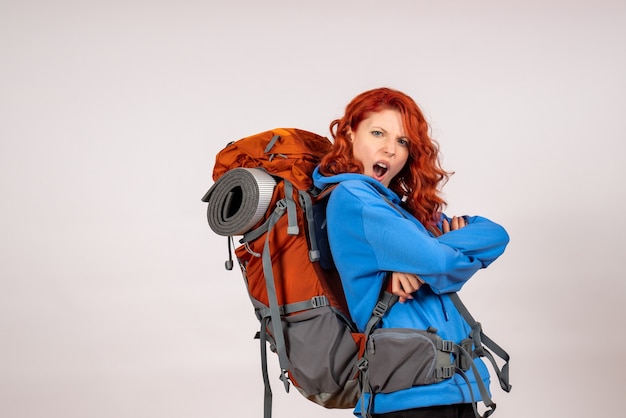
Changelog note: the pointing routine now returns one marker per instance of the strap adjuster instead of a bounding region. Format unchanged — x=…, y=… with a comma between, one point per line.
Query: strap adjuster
x=447, y=346
x=362, y=364
x=380, y=309
x=319, y=301
x=445, y=372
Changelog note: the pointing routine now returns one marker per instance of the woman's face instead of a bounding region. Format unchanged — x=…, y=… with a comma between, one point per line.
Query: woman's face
x=380, y=145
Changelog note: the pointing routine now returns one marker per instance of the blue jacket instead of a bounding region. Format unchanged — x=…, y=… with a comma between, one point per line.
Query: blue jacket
x=369, y=238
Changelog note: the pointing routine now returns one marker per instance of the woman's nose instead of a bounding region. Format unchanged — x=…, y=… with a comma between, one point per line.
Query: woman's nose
x=389, y=148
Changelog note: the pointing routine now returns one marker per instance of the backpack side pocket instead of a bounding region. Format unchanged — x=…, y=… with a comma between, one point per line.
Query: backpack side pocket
x=323, y=355
x=400, y=358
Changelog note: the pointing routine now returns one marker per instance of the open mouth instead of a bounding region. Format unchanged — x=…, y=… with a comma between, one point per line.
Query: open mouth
x=380, y=169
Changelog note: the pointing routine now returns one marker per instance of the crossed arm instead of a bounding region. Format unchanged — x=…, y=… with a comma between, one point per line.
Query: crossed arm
x=404, y=284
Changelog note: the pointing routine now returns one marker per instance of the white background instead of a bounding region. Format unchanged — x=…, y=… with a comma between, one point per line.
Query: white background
x=113, y=297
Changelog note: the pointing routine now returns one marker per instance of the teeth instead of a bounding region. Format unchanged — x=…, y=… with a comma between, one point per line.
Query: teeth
x=380, y=169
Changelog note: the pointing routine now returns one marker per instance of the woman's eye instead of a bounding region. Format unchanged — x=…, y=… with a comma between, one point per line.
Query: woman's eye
x=403, y=141
x=377, y=133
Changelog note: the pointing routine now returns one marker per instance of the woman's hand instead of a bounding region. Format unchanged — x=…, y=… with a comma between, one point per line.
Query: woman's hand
x=403, y=284
x=457, y=222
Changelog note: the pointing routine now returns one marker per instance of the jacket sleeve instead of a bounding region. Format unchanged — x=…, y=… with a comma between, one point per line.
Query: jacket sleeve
x=401, y=243
x=481, y=238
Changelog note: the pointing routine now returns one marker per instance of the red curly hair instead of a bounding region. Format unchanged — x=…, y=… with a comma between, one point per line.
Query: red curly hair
x=422, y=176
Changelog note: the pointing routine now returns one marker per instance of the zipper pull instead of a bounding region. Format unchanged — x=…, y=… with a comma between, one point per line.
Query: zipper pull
x=370, y=346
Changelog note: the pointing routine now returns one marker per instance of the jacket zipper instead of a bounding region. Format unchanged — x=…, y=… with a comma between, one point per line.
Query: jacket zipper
x=443, y=308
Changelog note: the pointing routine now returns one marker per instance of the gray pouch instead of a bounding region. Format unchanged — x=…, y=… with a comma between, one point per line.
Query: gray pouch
x=400, y=358
x=323, y=356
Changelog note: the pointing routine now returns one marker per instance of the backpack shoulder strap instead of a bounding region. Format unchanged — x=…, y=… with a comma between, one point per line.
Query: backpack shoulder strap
x=385, y=302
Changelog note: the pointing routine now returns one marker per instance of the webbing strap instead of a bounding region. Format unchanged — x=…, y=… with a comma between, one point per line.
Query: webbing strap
x=481, y=339
x=277, y=328
x=503, y=374
x=484, y=393
x=386, y=301
x=474, y=404
x=314, y=302
x=271, y=144
x=292, y=219
x=255, y=233
x=267, y=398
x=366, y=388
x=307, y=206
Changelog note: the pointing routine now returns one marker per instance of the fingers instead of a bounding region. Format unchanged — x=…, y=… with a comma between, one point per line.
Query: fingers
x=396, y=289
x=404, y=284
x=445, y=226
x=457, y=222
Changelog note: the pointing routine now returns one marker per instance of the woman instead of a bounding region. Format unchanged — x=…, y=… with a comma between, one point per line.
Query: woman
x=384, y=216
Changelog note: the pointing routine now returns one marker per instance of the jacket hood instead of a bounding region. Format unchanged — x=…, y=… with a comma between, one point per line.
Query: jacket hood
x=321, y=181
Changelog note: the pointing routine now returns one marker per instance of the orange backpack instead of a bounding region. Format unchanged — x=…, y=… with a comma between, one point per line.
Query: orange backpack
x=263, y=191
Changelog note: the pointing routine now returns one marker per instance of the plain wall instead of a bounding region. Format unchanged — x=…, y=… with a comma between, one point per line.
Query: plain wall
x=114, y=301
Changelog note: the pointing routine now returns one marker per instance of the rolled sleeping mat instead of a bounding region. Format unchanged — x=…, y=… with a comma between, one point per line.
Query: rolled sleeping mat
x=238, y=200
